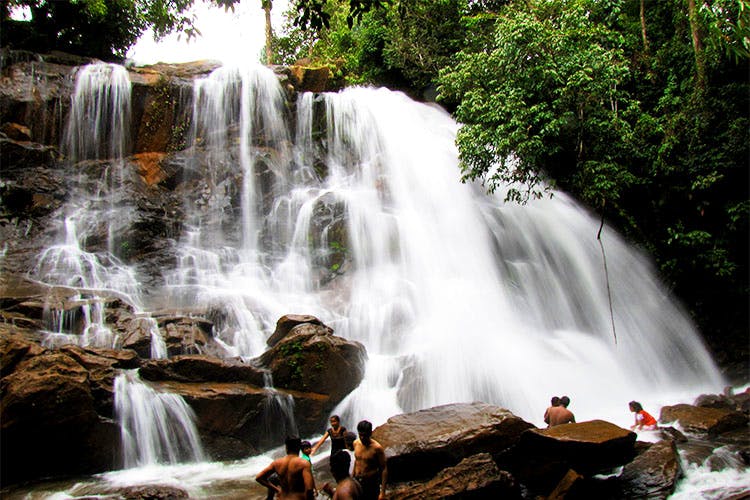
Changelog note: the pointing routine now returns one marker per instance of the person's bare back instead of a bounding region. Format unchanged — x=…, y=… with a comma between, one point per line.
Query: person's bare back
x=559, y=415
x=295, y=474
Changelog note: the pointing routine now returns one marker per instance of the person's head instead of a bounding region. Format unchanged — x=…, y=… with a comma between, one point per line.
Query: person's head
x=565, y=401
x=635, y=406
x=293, y=445
x=339, y=463
x=306, y=447
x=364, y=429
x=335, y=421
x=349, y=439
x=555, y=401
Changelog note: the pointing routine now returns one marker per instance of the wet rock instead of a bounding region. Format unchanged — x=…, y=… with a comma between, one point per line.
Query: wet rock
x=309, y=79
x=652, y=474
x=544, y=456
x=711, y=421
x=727, y=401
x=285, y=324
x=311, y=358
x=672, y=434
x=570, y=486
x=419, y=444
x=477, y=476
x=14, y=348
x=199, y=368
x=16, y=131
x=47, y=404
x=151, y=492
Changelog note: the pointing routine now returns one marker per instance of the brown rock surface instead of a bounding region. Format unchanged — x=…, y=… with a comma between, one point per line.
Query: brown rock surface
x=311, y=358
x=653, y=473
x=545, y=455
x=703, y=420
x=419, y=444
x=477, y=476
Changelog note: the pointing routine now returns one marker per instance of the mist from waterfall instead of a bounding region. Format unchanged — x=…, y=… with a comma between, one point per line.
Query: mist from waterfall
x=457, y=295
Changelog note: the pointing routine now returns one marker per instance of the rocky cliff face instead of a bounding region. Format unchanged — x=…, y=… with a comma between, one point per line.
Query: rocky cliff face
x=57, y=413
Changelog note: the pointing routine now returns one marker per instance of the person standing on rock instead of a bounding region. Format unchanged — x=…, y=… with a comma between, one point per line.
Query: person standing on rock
x=555, y=402
x=370, y=466
x=336, y=433
x=643, y=420
x=559, y=415
x=294, y=472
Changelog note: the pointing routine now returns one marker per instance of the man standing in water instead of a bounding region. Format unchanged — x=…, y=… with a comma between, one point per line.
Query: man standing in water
x=370, y=466
x=295, y=474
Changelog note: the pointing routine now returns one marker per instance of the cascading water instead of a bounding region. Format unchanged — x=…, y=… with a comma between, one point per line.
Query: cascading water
x=156, y=427
x=457, y=295
x=95, y=145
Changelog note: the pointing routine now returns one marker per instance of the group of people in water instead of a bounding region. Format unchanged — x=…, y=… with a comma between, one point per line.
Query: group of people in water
x=558, y=414
x=358, y=462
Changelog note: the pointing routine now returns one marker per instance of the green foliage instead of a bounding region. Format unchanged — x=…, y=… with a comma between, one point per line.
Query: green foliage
x=568, y=93
x=97, y=28
x=545, y=102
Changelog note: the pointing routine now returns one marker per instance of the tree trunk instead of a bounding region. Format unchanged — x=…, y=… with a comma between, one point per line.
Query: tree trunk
x=643, y=26
x=700, y=67
x=269, y=31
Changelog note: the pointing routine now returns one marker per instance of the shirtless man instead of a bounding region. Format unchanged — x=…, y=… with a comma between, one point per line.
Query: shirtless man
x=370, y=467
x=554, y=403
x=559, y=415
x=295, y=474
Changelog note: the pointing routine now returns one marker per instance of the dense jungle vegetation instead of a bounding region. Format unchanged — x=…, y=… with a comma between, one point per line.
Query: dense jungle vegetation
x=639, y=108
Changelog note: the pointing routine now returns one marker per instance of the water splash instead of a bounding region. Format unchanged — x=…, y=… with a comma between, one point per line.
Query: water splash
x=157, y=427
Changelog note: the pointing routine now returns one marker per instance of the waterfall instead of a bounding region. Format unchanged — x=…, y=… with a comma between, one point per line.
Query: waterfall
x=95, y=144
x=457, y=295
x=156, y=427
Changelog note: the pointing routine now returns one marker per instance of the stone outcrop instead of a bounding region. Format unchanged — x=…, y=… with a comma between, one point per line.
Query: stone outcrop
x=311, y=358
x=653, y=473
x=703, y=420
x=422, y=443
x=477, y=476
x=544, y=456
x=49, y=413
x=62, y=400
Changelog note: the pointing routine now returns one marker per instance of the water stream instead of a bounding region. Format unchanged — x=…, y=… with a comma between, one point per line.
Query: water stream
x=353, y=211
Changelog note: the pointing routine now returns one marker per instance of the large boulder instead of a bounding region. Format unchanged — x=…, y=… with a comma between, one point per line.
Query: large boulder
x=477, y=476
x=49, y=421
x=419, y=444
x=311, y=358
x=653, y=473
x=703, y=420
x=545, y=455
